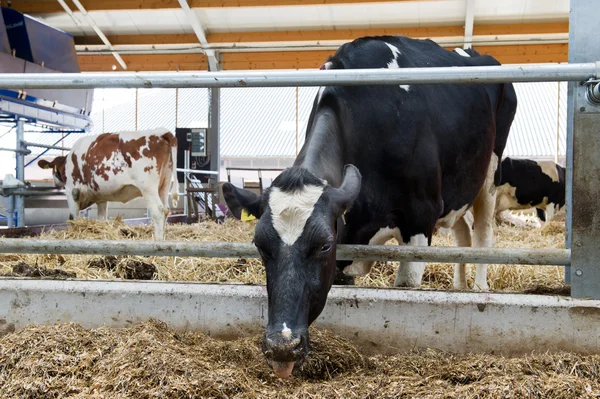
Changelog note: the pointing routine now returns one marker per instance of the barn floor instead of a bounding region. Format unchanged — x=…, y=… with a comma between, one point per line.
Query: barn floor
x=533, y=279
x=151, y=361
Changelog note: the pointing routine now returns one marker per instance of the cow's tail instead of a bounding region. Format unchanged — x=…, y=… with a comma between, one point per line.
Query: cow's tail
x=174, y=183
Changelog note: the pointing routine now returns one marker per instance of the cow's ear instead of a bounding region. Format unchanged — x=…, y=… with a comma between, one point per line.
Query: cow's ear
x=344, y=196
x=42, y=163
x=238, y=199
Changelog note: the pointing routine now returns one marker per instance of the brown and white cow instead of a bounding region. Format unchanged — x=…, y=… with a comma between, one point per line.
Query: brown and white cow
x=120, y=167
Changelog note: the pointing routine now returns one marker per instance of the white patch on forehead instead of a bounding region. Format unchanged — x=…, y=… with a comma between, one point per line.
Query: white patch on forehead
x=286, y=332
x=291, y=210
x=461, y=52
x=393, y=64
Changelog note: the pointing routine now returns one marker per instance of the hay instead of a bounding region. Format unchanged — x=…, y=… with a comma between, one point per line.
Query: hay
x=437, y=276
x=151, y=361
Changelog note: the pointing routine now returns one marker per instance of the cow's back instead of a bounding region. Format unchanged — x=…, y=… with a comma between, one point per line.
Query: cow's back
x=401, y=133
x=114, y=166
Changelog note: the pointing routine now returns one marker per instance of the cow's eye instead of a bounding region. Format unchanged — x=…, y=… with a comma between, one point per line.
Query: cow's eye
x=326, y=248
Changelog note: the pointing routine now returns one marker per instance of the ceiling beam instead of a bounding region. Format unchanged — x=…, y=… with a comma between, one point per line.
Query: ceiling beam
x=200, y=32
x=326, y=35
x=518, y=54
x=50, y=6
x=145, y=62
x=95, y=27
x=469, y=21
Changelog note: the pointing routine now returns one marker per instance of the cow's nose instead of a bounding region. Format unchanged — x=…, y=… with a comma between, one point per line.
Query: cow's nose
x=284, y=352
x=277, y=347
x=283, y=349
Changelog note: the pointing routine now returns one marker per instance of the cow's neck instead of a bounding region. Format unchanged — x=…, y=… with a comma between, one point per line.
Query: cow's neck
x=322, y=153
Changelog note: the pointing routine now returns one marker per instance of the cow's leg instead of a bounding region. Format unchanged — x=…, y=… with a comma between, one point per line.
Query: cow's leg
x=163, y=190
x=158, y=212
x=410, y=274
x=461, y=231
x=102, y=210
x=362, y=267
x=483, y=214
x=73, y=203
x=549, y=213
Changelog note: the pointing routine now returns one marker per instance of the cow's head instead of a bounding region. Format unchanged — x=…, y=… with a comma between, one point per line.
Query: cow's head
x=296, y=238
x=58, y=169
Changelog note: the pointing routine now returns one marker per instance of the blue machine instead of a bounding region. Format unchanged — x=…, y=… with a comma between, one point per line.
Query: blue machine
x=30, y=46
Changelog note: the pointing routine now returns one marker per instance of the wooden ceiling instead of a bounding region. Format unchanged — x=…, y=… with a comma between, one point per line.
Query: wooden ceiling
x=288, y=57
x=50, y=6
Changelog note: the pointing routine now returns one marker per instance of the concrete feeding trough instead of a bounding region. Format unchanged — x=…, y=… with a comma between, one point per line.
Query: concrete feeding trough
x=380, y=320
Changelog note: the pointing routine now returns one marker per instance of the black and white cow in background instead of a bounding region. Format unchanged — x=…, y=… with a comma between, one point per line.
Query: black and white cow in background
x=397, y=160
x=531, y=184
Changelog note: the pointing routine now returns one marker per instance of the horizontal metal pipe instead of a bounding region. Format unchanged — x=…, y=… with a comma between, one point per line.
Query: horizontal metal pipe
x=200, y=172
x=51, y=147
x=258, y=169
x=31, y=193
x=332, y=77
x=308, y=45
x=22, y=151
x=522, y=256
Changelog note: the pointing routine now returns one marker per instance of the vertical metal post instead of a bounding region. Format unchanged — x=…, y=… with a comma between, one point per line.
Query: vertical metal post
x=20, y=174
x=583, y=165
x=176, y=107
x=137, y=118
x=214, y=114
x=557, y=154
x=10, y=211
x=297, y=122
x=186, y=166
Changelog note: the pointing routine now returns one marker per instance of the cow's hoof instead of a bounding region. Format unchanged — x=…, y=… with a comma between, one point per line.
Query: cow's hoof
x=407, y=282
x=482, y=287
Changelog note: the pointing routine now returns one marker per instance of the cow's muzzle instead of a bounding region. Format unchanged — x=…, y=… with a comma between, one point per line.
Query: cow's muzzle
x=284, y=353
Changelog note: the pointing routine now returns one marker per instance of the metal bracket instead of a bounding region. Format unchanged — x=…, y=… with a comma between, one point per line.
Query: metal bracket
x=587, y=99
x=592, y=91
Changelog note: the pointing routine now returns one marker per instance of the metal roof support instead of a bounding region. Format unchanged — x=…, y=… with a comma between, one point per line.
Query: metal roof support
x=200, y=31
x=469, y=20
x=583, y=164
x=95, y=27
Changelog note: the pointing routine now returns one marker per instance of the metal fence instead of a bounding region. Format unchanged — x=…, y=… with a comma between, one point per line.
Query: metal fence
x=583, y=143
x=521, y=256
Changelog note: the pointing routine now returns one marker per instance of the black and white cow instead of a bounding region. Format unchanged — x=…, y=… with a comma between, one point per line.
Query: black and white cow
x=531, y=184
x=395, y=161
